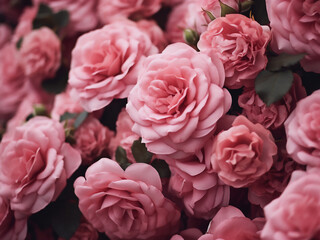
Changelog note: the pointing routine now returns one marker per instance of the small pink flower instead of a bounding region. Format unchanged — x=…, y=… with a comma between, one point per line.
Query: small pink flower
x=303, y=131
x=178, y=100
x=109, y=10
x=295, y=29
x=296, y=213
x=187, y=234
x=105, y=63
x=40, y=54
x=240, y=43
x=241, y=154
x=35, y=163
x=92, y=140
x=272, y=116
x=126, y=204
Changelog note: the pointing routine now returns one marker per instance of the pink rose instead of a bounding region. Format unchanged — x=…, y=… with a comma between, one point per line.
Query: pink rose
x=40, y=54
x=229, y=224
x=83, y=13
x=124, y=136
x=172, y=2
x=241, y=154
x=272, y=116
x=296, y=213
x=12, y=225
x=5, y=34
x=109, y=10
x=105, y=63
x=295, y=29
x=201, y=191
x=302, y=129
x=126, y=204
x=12, y=81
x=240, y=43
x=178, y=100
x=92, y=140
x=35, y=163
x=188, y=234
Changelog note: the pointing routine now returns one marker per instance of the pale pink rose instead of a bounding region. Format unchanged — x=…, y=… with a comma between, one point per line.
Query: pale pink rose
x=229, y=224
x=303, y=131
x=35, y=163
x=110, y=10
x=187, y=234
x=178, y=100
x=126, y=204
x=273, y=116
x=92, y=140
x=5, y=34
x=241, y=154
x=296, y=213
x=240, y=43
x=83, y=13
x=295, y=28
x=40, y=54
x=12, y=225
x=12, y=81
x=201, y=191
x=124, y=136
x=105, y=63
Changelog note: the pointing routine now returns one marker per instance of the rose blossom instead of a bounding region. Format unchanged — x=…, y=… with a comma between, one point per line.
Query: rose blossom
x=241, y=154
x=105, y=63
x=124, y=136
x=12, y=81
x=40, y=54
x=201, y=191
x=178, y=100
x=272, y=116
x=12, y=225
x=126, y=204
x=5, y=34
x=35, y=163
x=110, y=10
x=83, y=13
x=92, y=140
x=229, y=224
x=295, y=28
x=240, y=43
x=303, y=131
x=296, y=213
x=187, y=234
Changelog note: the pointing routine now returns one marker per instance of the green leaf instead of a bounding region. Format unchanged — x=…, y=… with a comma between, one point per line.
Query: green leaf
x=191, y=37
x=246, y=5
x=61, y=18
x=80, y=119
x=162, y=167
x=282, y=61
x=19, y=43
x=259, y=11
x=209, y=14
x=58, y=83
x=121, y=157
x=272, y=86
x=40, y=110
x=140, y=152
x=225, y=9
x=44, y=10
x=66, y=218
x=67, y=116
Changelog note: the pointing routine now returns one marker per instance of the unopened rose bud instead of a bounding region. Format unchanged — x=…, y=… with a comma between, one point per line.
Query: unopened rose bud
x=191, y=37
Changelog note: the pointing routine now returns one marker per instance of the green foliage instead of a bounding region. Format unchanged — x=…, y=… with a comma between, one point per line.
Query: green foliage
x=140, y=152
x=121, y=158
x=58, y=83
x=245, y=6
x=259, y=11
x=283, y=61
x=162, y=167
x=209, y=14
x=225, y=9
x=191, y=37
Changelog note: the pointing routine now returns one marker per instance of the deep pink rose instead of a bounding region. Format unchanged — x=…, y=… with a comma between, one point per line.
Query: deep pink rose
x=295, y=28
x=272, y=116
x=5, y=34
x=178, y=100
x=229, y=224
x=92, y=140
x=40, y=54
x=241, y=154
x=12, y=81
x=110, y=10
x=296, y=213
x=105, y=63
x=83, y=13
x=201, y=191
x=35, y=163
x=303, y=131
x=12, y=225
x=240, y=43
x=187, y=234
x=124, y=136
x=126, y=204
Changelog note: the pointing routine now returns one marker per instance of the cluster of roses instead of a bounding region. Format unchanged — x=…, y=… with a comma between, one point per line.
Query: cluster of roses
x=228, y=155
